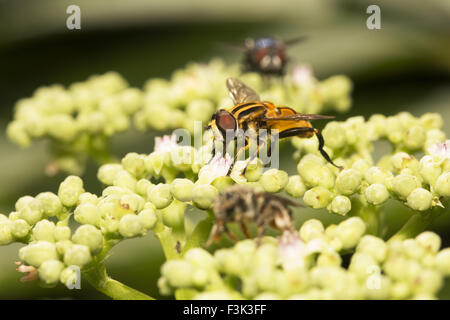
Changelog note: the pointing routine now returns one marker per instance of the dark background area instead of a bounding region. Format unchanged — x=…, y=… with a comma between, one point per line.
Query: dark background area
x=405, y=66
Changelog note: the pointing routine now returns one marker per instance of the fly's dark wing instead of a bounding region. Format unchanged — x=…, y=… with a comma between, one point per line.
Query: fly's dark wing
x=298, y=117
x=240, y=93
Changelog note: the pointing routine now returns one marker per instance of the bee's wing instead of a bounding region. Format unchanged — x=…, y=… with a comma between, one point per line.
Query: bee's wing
x=297, y=117
x=240, y=93
x=295, y=40
x=285, y=201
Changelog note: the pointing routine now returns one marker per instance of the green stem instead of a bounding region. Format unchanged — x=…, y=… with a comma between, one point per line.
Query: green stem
x=368, y=213
x=200, y=234
x=168, y=244
x=95, y=273
x=415, y=225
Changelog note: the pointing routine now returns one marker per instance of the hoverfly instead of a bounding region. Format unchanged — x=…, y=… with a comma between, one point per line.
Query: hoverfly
x=267, y=55
x=243, y=204
x=249, y=112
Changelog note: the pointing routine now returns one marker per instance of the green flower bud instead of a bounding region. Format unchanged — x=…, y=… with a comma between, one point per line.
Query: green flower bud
x=274, y=180
x=400, y=290
x=6, y=236
x=415, y=137
x=341, y=205
x=50, y=203
x=109, y=224
x=431, y=120
x=50, y=271
x=69, y=277
x=374, y=247
x=32, y=212
x=62, y=246
x=443, y=261
x=295, y=186
x=329, y=259
x=334, y=135
x=429, y=170
x=228, y=261
x=178, y=273
x=254, y=171
x=363, y=265
x=13, y=216
x=22, y=202
x=132, y=202
x=309, y=168
x=20, y=228
x=17, y=132
x=200, y=110
x=148, y=218
x=125, y=180
x=348, y=181
x=317, y=197
x=142, y=187
x=412, y=249
x=87, y=197
x=200, y=258
x=430, y=241
x=203, y=195
x=107, y=172
x=361, y=165
x=404, y=184
x=77, y=255
x=181, y=189
x=134, y=164
x=88, y=214
x=442, y=185
x=222, y=183
x=89, y=236
x=350, y=231
x=36, y=253
x=131, y=226
x=402, y=160
x=419, y=199
x=311, y=229
x=376, y=194
x=69, y=190
x=44, y=230
x=427, y=281
x=377, y=175
x=154, y=162
x=160, y=195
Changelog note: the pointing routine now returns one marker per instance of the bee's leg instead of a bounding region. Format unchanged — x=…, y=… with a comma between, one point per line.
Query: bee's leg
x=261, y=230
x=214, y=236
x=245, y=230
x=231, y=234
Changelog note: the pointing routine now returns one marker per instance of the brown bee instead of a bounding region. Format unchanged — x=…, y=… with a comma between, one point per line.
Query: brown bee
x=244, y=204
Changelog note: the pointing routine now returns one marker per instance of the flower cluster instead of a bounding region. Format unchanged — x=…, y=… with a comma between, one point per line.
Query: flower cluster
x=409, y=269
x=420, y=183
x=78, y=120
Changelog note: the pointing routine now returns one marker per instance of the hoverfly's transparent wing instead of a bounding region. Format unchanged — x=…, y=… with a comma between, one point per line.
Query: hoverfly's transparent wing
x=240, y=93
x=298, y=117
x=295, y=40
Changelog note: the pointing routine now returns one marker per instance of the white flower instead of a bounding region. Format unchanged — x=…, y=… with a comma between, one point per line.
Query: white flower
x=302, y=75
x=217, y=167
x=166, y=143
x=31, y=272
x=291, y=250
x=441, y=150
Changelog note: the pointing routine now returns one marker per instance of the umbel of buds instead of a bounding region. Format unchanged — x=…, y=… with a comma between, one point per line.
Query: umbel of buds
x=74, y=229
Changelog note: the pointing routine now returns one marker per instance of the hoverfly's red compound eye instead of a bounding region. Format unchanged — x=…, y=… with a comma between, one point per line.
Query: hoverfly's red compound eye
x=225, y=121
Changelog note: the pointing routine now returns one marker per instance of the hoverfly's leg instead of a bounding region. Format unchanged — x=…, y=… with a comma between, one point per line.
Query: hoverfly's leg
x=238, y=154
x=213, y=150
x=253, y=156
x=245, y=230
x=321, y=150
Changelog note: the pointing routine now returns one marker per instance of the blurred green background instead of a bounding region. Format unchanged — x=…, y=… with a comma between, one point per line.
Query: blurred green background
x=405, y=66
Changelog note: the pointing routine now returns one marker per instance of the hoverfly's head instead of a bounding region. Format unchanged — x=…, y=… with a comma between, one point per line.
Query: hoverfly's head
x=224, y=121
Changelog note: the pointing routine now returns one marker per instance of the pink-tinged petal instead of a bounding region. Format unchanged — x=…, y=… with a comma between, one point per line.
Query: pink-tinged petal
x=166, y=143
x=302, y=75
x=440, y=150
x=31, y=272
x=217, y=167
x=291, y=250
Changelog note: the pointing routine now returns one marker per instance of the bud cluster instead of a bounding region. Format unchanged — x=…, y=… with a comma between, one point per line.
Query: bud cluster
x=409, y=269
